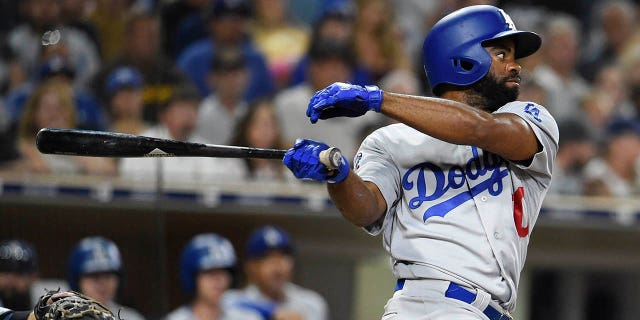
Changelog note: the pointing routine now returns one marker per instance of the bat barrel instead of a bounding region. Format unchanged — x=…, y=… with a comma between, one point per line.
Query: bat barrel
x=81, y=142
x=110, y=144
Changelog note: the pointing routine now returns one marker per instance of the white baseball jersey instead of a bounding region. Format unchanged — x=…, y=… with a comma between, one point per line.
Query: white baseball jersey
x=456, y=212
x=308, y=303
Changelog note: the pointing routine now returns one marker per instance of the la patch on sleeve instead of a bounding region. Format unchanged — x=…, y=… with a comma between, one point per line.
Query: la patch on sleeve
x=531, y=109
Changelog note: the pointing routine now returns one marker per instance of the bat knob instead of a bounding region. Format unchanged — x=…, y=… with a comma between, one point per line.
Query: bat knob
x=331, y=158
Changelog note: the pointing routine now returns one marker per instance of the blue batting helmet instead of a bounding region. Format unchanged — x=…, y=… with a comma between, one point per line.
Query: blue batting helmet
x=93, y=255
x=452, y=52
x=205, y=252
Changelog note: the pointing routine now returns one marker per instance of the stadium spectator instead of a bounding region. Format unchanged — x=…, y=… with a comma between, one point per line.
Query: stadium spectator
x=335, y=24
x=96, y=270
x=219, y=112
x=259, y=128
x=110, y=19
x=182, y=24
x=269, y=267
x=25, y=42
x=377, y=39
x=413, y=17
x=613, y=80
x=124, y=87
x=614, y=38
x=228, y=26
x=51, y=105
x=613, y=172
x=557, y=74
x=597, y=107
x=206, y=272
x=177, y=121
x=12, y=75
x=90, y=114
x=18, y=273
x=330, y=61
x=282, y=42
x=608, y=98
x=75, y=14
x=577, y=147
x=142, y=51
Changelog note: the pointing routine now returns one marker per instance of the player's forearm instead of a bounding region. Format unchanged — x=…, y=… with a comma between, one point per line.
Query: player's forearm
x=357, y=200
x=446, y=120
x=504, y=134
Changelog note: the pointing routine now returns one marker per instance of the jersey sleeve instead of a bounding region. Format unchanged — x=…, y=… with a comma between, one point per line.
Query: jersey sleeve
x=546, y=130
x=373, y=163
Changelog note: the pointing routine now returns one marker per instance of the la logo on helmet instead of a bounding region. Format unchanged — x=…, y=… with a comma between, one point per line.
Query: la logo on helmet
x=507, y=20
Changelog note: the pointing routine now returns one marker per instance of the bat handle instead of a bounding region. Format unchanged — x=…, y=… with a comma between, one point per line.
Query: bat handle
x=331, y=158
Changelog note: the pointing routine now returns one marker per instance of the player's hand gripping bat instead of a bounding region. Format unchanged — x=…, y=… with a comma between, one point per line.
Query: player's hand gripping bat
x=119, y=145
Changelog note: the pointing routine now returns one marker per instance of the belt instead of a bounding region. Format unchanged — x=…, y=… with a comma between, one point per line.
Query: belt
x=457, y=292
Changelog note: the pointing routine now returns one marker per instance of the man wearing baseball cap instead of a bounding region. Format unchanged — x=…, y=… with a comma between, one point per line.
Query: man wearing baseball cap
x=228, y=23
x=269, y=270
x=220, y=111
x=123, y=87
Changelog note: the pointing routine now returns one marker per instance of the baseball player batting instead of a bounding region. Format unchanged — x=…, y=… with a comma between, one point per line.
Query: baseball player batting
x=456, y=187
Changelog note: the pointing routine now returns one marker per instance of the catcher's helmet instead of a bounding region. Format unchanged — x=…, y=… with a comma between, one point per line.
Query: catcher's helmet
x=205, y=252
x=17, y=256
x=452, y=51
x=93, y=255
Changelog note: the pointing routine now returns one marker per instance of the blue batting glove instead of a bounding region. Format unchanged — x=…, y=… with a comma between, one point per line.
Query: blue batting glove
x=304, y=161
x=344, y=100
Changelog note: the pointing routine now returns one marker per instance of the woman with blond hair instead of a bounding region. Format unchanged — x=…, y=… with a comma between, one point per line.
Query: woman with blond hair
x=52, y=105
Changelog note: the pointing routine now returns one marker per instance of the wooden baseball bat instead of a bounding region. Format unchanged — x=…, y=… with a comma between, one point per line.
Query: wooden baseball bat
x=88, y=143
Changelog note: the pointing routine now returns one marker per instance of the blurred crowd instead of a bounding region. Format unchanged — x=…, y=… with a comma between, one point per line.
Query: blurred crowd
x=210, y=274
x=241, y=72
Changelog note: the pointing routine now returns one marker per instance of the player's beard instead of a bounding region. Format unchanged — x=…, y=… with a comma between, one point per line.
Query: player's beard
x=492, y=93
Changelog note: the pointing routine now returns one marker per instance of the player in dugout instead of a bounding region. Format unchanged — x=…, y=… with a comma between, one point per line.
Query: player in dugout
x=269, y=267
x=207, y=271
x=456, y=187
x=96, y=270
